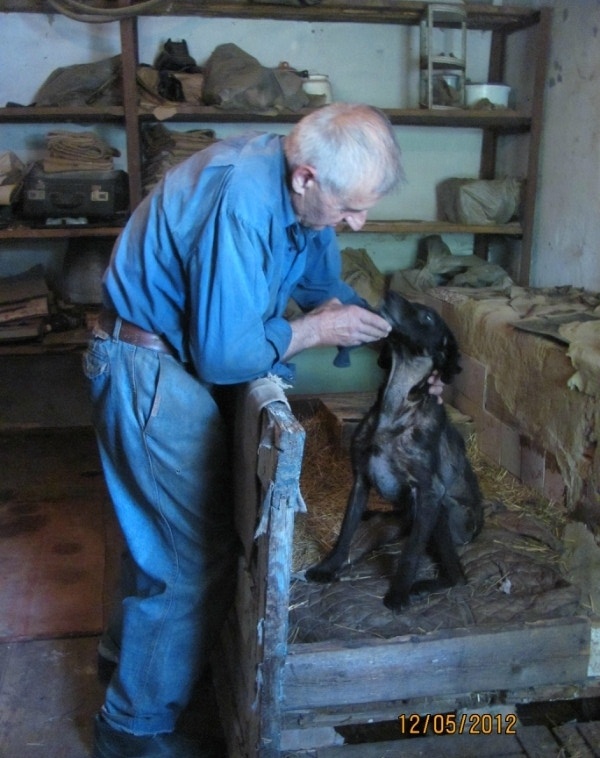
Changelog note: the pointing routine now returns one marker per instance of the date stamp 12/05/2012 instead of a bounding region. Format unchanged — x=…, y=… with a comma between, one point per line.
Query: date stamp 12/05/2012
x=419, y=724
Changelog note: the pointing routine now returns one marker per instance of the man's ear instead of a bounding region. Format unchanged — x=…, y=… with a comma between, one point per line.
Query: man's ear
x=302, y=178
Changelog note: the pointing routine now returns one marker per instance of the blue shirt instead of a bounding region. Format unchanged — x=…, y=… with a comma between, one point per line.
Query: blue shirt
x=211, y=257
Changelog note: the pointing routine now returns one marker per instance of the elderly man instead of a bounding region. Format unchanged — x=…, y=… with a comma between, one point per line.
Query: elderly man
x=195, y=295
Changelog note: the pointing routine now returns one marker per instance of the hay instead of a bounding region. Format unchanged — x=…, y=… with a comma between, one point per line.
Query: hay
x=326, y=480
x=325, y=483
x=498, y=485
x=513, y=569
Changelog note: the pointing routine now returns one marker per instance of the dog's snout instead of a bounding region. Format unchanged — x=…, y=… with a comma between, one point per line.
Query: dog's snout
x=393, y=308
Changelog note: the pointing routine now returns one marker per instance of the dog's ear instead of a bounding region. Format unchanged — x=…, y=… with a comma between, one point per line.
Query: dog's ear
x=447, y=357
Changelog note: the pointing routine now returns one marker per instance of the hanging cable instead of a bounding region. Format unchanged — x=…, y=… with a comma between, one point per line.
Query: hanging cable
x=93, y=15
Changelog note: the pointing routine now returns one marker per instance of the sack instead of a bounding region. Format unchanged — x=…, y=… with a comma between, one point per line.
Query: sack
x=479, y=201
x=166, y=87
x=98, y=83
x=12, y=171
x=235, y=79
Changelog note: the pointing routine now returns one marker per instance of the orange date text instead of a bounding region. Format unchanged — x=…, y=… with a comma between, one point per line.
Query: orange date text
x=418, y=724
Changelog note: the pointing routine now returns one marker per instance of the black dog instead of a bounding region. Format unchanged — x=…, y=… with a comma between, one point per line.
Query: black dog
x=407, y=448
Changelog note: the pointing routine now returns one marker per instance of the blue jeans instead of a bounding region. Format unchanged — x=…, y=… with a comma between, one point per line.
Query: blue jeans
x=163, y=446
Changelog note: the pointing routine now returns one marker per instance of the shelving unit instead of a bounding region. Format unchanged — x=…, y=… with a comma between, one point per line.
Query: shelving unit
x=501, y=21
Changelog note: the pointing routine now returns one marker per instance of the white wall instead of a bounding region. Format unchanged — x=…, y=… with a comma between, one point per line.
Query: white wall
x=567, y=226
x=567, y=239
x=377, y=63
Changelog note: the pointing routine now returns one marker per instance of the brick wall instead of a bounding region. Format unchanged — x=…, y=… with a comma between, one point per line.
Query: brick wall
x=540, y=431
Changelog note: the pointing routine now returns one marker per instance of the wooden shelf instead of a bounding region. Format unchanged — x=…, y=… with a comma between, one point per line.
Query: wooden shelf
x=435, y=227
x=54, y=342
x=484, y=17
x=500, y=21
x=29, y=114
x=413, y=226
x=499, y=120
x=21, y=231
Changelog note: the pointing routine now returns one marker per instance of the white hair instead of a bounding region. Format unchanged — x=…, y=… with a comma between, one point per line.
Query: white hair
x=349, y=146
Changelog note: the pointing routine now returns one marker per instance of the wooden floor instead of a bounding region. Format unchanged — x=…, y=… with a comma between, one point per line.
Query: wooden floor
x=49, y=693
x=50, y=689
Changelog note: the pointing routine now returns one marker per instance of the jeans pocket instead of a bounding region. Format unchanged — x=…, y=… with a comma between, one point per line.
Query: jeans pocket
x=95, y=361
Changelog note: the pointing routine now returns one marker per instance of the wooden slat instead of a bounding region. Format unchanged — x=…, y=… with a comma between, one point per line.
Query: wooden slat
x=537, y=741
x=269, y=445
x=590, y=731
x=573, y=742
x=542, y=57
x=530, y=742
x=129, y=58
x=366, y=713
x=286, y=438
x=300, y=739
x=534, y=654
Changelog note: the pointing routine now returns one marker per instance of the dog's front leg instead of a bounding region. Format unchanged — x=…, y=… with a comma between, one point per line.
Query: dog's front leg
x=444, y=551
x=425, y=512
x=328, y=569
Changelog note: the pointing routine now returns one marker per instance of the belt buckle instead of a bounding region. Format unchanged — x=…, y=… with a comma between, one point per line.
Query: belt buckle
x=100, y=333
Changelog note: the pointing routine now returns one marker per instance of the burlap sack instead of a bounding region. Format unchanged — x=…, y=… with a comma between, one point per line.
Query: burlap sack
x=236, y=80
x=479, y=201
x=98, y=83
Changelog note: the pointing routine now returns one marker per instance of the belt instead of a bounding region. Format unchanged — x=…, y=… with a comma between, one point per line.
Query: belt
x=132, y=334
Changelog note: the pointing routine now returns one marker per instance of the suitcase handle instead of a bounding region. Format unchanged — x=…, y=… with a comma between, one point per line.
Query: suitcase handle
x=61, y=200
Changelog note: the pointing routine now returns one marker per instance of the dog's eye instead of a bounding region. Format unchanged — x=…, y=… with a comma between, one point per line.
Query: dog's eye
x=427, y=317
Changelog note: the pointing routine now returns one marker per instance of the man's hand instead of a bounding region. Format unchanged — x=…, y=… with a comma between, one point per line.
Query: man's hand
x=336, y=325
x=436, y=386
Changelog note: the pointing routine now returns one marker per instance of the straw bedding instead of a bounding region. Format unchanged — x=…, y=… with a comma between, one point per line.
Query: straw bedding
x=513, y=567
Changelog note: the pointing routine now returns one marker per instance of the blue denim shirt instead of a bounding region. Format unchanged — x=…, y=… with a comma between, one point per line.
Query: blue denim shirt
x=211, y=257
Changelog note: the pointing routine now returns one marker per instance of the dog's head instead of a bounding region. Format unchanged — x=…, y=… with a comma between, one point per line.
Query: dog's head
x=423, y=331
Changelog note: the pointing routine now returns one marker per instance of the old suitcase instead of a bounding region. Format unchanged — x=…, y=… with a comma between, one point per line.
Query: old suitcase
x=92, y=194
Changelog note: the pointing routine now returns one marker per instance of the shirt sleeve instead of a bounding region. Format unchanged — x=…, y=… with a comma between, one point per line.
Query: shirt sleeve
x=322, y=280
x=232, y=336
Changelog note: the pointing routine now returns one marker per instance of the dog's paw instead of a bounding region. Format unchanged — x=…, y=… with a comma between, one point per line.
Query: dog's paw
x=321, y=574
x=396, y=601
x=429, y=586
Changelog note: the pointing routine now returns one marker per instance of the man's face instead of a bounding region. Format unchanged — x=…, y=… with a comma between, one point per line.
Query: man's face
x=317, y=209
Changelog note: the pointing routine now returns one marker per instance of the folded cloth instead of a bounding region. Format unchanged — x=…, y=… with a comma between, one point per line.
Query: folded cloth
x=164, y=148
x=77, y=151
x=58, y=165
